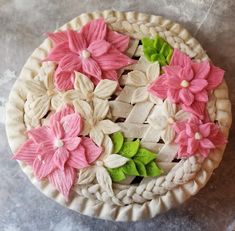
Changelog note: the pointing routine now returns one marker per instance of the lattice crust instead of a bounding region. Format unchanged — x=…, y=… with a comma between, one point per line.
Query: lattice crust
x=151, y=196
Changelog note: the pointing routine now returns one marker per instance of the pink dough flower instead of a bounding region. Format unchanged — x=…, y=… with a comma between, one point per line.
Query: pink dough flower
x=95, y=51
x=56, y=151
x=194, y=137
x=187, y=83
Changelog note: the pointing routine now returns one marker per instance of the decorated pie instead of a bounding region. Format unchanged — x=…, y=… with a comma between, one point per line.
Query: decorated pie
x=120, y=116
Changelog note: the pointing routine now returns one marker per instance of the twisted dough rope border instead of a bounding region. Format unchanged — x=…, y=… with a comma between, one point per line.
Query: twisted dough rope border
x=176, y=187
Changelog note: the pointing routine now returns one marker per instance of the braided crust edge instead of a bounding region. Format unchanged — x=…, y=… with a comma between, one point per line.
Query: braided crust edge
x=151, y=197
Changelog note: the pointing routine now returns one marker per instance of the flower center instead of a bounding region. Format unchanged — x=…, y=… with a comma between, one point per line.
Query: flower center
x=197, y=136
x=50, y=92
x=184, y=83
x=89, y=96
x=58, y=143
x=170, y=120
x=99, y=163
x=85, y=54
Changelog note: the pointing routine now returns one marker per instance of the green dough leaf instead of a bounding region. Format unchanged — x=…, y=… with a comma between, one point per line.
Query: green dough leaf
x=144, y=156
x=130, y=169
x=117, y=174
x=157, y=49
x=152, y=169
x=117, y=139
x=140, y=168
x=130, y=148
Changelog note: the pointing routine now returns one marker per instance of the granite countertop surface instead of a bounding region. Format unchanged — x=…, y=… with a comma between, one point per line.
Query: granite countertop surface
x=22, y=27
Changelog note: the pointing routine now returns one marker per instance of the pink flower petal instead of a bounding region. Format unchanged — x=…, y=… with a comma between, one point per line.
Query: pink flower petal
x=182, y=151
x=191, y=129
x=110, y=74
x=187, y=73
x=91, y=67
x=77, y=42
x=173, y=71
x=60, y=157
x=197, y=108
x=27, y=152
x=192, y=146
x=205, y=129
x=78, y=158
x=63, y=180
x=57, y=129
x=40, y=134
x=94, y=30
x=58, y=52
x=63, y=80
x=58, y=37
x=206, y=143
x=72, y=124
x=113, y=60
x=215, y=77
x=98, y=48
x=197, y=85
x=173, y=95
x=179, y=59
x=204, y=152
x=92, y=151
x=201, y=96
x=173, y=82
x=118, y=40
x=182, y=138
x=72, y=143
x=43, y=165
x=158, y=87
x=57, y=116
x=179, y=126
x=186, y=96
x=201, y=70
x=70, y=63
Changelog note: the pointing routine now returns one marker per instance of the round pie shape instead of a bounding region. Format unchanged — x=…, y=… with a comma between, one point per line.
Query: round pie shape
x=151, y=197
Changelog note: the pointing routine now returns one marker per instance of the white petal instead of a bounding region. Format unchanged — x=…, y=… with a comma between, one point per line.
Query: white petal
x=105, y=88
x=155, y=99
x=136, y=78
x=71, y=95
x=39, y=107
x=107, y=147
x=57, y=101
x=158, y=123
x=101, y=108
x=104, y=179
x=169, y=109
x=115, y=161
x=83, y=108
x=108, y=126
x=83, y=84
x=153, y=71
x=35, y=87
x=47, y=71
x=86, y=175
x=96, y=135
x=181, y=115
x=168, y=134
x=140, y=95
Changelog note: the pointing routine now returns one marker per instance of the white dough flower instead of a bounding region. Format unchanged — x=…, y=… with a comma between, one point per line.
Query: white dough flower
x=163, y=117
x=95, y=122
x=142, y=80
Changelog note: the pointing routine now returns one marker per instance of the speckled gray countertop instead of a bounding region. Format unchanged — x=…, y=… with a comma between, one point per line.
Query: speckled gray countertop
x=22, y=25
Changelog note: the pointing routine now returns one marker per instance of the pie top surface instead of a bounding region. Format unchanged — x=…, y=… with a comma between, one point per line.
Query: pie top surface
x=119, y=115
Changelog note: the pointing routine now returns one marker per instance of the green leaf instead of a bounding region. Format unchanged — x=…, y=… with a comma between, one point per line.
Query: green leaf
x=144, y=156
x=152, y=169
x=118, y=140
x=130, y=169
x=157, y=49
x=117, y=174
x=130, y=148
x=140, y=168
